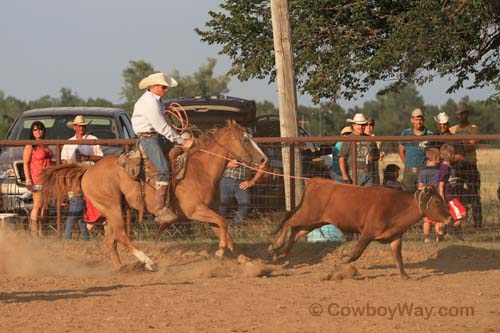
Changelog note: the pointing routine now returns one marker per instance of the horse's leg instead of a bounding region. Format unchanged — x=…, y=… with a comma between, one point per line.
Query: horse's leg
x=118, y=224
x=161, y=228
x=111, y=244
x=205, y=214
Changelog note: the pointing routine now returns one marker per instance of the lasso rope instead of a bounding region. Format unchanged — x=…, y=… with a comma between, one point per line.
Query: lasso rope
x=176, y=111
x=253, y=168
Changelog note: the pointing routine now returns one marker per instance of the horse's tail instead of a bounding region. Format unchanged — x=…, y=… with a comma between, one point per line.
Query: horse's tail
x=58, y=180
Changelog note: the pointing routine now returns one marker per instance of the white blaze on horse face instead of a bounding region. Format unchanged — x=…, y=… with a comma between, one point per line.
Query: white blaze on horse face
x=256, y=148
x=149, y=264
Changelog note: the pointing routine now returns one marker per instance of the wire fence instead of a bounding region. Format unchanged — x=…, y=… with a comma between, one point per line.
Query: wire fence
x=268, y=196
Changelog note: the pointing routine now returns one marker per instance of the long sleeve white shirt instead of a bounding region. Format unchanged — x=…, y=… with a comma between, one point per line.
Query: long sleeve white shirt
x=148, y=116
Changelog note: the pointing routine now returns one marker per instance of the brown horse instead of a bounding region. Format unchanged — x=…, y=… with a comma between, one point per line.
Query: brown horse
x=106, y=185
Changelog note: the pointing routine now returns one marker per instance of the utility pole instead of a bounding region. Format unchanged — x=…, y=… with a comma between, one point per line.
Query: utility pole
x=287, y=97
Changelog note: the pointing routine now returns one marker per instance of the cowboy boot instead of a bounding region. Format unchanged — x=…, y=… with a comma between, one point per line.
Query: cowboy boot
x=163, y=212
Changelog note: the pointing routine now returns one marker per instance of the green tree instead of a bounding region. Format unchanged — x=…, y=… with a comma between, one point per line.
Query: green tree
x=201, y=83
x=341, y=48
x=392, y=110
x=266, y=108
x=132, y=75
x=10, y=107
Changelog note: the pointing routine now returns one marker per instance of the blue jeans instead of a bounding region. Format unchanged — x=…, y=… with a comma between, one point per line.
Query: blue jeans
x=75, y=213
x=229, y=189
x=157, y=148
x=364, y=178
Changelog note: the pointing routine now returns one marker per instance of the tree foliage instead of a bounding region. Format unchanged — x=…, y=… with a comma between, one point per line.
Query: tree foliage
x=132, y=75
x=201, y=83
x=341, y=48
x=11, y=107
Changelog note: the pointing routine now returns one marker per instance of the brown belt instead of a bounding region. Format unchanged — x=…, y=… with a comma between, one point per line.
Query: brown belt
x=148, y=134
x=362, y=169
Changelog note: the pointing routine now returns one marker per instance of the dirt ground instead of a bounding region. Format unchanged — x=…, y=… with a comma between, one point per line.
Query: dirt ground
x=51, y=285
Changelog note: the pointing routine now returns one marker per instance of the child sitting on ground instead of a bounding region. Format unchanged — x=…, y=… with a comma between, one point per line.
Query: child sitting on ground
x=430, y=176
x=391, y=175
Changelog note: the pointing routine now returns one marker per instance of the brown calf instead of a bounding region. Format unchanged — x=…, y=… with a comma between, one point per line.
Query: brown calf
x=377, y=213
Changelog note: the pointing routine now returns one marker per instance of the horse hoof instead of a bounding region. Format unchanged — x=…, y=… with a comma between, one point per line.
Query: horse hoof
x=219, y=254
x=346, y=259
x=270, y=249
x=151, y=267
x=243, y=259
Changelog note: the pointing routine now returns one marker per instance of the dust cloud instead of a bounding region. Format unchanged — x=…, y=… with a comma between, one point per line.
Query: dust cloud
x=20, y=255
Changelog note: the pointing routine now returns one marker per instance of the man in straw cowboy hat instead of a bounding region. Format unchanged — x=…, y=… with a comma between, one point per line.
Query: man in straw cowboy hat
x=366, y=155
x=87, y=154
x=157, y=137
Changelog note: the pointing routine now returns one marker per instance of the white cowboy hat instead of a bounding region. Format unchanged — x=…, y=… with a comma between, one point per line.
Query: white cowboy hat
x=441, y=118
x=157, y=79
x=79, y=120
x=359, y=118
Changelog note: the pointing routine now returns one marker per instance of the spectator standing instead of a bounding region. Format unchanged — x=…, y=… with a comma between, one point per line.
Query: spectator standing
x=157, y=137
x=391, y=175
x=429, y=175
x=412, y=153
x=335, y=173
x=467, y=168
x=86, y=154
x=369, y=130
x=35, y=158
x=443, y=128
x=235, y=184
x=366, y=154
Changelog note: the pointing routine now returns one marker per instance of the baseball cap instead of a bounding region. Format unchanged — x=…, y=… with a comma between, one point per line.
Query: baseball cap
x=417, y=113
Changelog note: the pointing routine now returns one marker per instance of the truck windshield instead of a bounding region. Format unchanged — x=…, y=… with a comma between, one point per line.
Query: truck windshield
x=56, y=128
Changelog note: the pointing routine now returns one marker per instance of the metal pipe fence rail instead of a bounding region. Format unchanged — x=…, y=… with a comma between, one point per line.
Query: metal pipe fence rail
x=267, y=197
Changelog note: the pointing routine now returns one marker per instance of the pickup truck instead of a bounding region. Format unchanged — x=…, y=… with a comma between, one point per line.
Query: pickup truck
x=107, y=123
x=212, y=111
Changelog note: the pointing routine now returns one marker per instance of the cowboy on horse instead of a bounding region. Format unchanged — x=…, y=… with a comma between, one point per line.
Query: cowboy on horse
x=157, y=138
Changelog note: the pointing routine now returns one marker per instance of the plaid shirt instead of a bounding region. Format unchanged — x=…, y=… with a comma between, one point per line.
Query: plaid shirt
x=239, y=172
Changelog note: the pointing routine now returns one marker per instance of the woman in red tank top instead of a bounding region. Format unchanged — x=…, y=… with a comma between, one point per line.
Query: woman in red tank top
x=35, y=158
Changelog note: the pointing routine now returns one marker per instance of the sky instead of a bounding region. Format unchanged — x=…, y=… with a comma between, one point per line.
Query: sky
x=85, y=45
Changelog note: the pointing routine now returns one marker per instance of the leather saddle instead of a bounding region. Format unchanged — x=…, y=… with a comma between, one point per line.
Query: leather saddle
x=137, y=165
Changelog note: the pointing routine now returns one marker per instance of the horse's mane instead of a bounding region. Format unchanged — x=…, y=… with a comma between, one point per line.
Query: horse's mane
x=58, y=180
x=207, y=139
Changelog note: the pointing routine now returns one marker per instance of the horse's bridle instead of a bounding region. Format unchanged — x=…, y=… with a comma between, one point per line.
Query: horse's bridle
x=246, y=135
